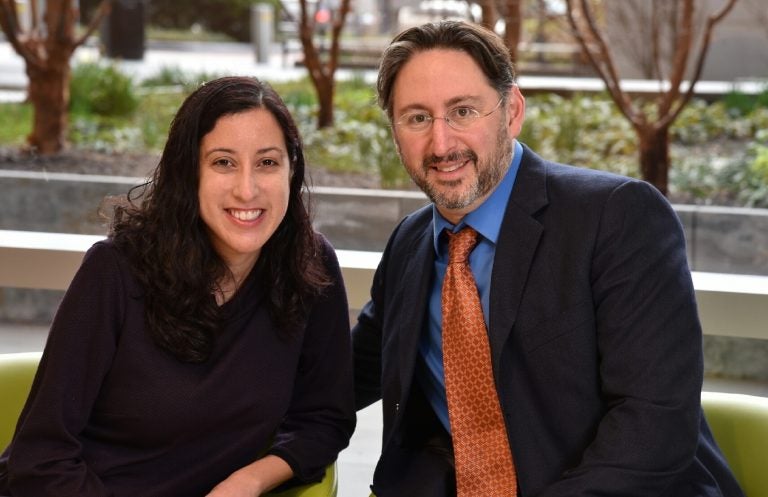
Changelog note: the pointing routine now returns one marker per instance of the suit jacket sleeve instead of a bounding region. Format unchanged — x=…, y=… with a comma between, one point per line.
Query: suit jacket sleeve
x=648, y=340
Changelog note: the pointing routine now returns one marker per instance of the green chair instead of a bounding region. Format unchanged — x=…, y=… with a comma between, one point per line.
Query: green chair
x=325, y=488
x=16, y=374
x=740, y=426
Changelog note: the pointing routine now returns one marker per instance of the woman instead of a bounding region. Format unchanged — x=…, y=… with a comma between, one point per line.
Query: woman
x=203, y=348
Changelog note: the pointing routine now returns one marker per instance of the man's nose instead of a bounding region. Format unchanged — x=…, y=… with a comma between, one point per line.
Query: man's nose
x=442, y=136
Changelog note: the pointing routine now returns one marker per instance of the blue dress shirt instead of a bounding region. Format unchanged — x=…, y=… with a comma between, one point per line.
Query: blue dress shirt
x=486, y=220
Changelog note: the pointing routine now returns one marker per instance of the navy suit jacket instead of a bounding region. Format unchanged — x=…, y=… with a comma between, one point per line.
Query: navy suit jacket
x=595, y=342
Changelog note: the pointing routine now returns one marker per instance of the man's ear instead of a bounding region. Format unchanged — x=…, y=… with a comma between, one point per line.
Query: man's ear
x=515, y=111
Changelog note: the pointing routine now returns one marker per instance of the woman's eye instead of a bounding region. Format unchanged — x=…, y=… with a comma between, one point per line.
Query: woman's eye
x=269, y=163
x=222, y=162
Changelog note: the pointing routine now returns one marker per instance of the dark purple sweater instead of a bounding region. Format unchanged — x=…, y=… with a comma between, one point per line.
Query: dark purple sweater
x=111, y=414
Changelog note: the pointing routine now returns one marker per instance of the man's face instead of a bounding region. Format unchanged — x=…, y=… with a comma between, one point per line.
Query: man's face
x=457, y=168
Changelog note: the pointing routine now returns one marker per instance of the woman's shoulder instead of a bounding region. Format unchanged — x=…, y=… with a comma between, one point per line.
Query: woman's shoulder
x=102, y=252
x=105, y=260
x=325, y=247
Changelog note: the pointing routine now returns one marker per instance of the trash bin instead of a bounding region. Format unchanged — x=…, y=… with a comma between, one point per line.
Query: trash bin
x=122, y=30
x=262, y=30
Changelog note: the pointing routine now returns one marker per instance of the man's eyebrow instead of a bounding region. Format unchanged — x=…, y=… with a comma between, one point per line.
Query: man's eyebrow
x=451, y=102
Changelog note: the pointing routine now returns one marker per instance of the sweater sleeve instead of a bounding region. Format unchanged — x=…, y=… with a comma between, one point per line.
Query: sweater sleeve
x=45, y=455
x=321, y=417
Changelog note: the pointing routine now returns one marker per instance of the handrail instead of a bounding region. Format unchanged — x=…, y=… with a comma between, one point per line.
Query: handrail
x=729, y=304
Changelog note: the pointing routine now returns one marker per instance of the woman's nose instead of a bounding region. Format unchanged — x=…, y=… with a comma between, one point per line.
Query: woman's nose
x=245, y=187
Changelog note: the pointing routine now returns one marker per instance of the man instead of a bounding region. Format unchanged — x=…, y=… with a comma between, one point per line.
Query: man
x=593, y=342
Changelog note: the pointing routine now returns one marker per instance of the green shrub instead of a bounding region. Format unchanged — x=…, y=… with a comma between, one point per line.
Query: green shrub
x=102, y=90
x=742, y=104
x=230, y=17
x=15, y=123
x=174, y=77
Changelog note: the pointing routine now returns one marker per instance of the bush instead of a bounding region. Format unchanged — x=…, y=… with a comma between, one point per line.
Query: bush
x=742, y=104
x=15, y=123
x=174, y=77
x=360, y=142
x=102, y=90
x=231, y=17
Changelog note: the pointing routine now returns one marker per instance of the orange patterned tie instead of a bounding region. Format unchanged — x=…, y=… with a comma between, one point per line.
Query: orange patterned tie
x=484, y=466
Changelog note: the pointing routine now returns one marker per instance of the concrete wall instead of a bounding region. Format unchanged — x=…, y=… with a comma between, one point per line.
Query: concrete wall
x=719, y=240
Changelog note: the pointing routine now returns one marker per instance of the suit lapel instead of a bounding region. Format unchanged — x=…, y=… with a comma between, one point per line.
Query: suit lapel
x=417, y=274
x=518, y=239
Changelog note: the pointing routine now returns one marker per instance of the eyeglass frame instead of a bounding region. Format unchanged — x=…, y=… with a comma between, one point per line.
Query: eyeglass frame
x=431, y=119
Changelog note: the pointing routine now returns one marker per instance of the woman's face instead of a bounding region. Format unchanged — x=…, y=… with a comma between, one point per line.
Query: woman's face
x=244, y=185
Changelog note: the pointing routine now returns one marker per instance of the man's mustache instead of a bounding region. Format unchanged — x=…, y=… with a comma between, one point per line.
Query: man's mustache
x=464, y=155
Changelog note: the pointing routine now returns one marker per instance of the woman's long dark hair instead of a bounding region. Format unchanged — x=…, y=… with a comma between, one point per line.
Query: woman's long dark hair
x=161, y=231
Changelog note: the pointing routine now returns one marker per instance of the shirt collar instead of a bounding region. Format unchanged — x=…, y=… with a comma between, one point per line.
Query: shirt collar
x=486, y=219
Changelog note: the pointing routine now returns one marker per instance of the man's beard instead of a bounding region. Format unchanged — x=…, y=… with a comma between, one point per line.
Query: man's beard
x=489, y=174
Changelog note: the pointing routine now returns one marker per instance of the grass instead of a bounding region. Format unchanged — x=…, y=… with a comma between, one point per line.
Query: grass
x=15, y=123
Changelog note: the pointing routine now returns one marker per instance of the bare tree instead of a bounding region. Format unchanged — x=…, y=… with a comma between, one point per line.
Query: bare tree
x=513, y=22
x=510, y=12
x=46, y=48
x=757, y=10
x=651, y=123
x=322, y=63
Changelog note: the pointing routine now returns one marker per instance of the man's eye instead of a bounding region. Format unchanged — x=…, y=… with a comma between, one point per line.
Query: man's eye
x=418, y=118
x=463, y=113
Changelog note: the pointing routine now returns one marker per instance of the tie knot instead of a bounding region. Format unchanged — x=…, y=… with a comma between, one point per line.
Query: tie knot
x=461, y=244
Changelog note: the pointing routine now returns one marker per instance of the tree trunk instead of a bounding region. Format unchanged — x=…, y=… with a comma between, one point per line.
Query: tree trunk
x=49, y=94
x=513, y=29
x=325, y=90
x=654, y=156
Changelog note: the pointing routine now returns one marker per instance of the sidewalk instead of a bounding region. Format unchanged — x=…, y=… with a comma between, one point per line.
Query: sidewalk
x=195, y=58
x=228, y=58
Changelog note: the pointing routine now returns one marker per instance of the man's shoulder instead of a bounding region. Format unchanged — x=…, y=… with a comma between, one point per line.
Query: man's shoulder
x=565, y=179
x=411, y=230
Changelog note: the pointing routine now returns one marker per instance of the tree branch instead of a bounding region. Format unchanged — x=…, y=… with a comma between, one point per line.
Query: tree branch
x=700, y=59
x=21, y=42
x=604, y=66
x=683, y=44
x=35, y=16
x=102, y=11
x=338, y=25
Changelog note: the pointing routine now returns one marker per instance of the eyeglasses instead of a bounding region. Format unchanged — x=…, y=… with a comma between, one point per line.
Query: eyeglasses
x=459, y=118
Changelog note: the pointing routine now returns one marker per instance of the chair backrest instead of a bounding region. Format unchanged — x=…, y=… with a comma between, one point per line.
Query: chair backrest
x=17, y=371
x=740, y=426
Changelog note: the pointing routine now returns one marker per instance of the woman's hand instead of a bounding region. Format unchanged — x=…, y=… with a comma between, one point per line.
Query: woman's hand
x=255, y=479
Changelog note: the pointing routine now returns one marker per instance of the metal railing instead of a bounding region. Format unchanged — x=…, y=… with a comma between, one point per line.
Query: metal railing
x=729, y=304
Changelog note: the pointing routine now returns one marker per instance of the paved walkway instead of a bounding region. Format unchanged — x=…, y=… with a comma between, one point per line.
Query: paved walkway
x=222, y=58
x=206, y=58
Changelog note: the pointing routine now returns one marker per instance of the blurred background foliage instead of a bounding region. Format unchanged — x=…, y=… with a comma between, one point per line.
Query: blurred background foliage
x=719, y=149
